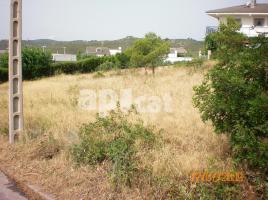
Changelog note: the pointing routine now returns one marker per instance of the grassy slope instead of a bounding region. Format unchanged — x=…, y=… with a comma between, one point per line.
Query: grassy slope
x=50, y=108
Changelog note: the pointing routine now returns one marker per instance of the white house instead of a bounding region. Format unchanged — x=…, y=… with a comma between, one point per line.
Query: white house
x=113, y=52
x=64, y=57
x=102, y=51
x=177, y=55
x=252, y=16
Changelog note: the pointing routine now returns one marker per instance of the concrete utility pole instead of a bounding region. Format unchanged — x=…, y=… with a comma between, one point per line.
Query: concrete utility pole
x=15, y=71
x=44, y=47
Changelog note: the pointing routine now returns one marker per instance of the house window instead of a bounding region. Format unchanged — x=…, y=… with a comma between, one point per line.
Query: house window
x=259, y=22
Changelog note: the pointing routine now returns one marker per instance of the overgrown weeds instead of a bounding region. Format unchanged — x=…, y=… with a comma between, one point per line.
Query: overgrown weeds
x=46, y=148
x=117, y=140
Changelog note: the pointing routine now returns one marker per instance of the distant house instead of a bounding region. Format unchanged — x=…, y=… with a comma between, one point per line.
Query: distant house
x=102, y=51
x=91, y=51
x=252, y=16
x=178, y=52
x=177, y=55
x=64, y=57
x=115, y=51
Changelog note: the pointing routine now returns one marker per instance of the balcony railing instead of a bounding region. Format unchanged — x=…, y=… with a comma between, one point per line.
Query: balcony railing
x=249, y=31
x=252, y=31
x=211, y=29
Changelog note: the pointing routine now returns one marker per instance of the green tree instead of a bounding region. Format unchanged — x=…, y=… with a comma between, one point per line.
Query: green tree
x=35, y=63
x=148, y=52
x=234, y=94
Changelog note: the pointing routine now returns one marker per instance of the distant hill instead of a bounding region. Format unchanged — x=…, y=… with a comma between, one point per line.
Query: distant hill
x=74, y=47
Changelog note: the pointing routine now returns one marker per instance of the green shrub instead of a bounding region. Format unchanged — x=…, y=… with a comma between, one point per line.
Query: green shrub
x=123, y=60
x=224, y=191
x=234, y=95
x=114, y=139
x=35, y=63
x=3, y=74
x=4, y=60
x=107, y=66
x=82, y=66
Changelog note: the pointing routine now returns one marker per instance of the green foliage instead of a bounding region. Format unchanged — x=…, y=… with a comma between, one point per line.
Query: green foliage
x=107, y=66
x=35, y=63
x=83, y=66
x=210, y=43
x=114, y=139
x=224, y=191
x=227, y=36
x=3, y=67
x=148, y=52
x=4, y=60
x=123, y=60
x=3, y=74
x=83, y=57
x=234, y=95
x=73, y=47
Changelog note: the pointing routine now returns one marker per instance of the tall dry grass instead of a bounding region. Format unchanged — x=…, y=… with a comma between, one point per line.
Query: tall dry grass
x=50, y=107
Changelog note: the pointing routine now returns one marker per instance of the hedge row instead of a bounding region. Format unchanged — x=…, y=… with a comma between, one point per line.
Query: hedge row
x=82, y=66
x=3, y=74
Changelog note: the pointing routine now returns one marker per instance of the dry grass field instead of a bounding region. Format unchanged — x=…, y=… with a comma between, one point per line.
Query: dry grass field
x=50, y=108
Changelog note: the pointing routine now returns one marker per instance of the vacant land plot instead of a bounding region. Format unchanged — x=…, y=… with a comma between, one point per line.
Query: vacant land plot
x=51, y=109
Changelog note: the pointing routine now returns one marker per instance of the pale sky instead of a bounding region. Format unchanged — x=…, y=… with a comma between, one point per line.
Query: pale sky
x=113, y=19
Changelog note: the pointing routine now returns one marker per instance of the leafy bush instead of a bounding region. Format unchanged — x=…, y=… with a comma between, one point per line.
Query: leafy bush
x=218, y=191
x=35, y=63
x=114, y=139
x=107, y=66
x=83, y=66
x=3, y=74
x=234, y=95
x=123, y=60
x=4, y=60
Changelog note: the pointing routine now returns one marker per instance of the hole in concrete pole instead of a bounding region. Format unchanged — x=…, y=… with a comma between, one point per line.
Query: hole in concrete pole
x=15, y=9
x=15, y=29
x=15, y=47
x=15, y=86
x=16, y=122
x=16, y=105
x=15, y=67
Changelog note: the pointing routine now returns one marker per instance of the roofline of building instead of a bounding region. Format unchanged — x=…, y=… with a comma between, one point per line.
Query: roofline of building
x=237, y=13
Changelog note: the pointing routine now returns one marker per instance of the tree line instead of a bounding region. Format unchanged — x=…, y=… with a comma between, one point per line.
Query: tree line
x=149, y=51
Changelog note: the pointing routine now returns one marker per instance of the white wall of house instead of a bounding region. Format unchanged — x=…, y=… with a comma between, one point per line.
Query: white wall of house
x=64, y=57
x=247, y=22
x=178, y=59
x=113, y=52
x=173, y=57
